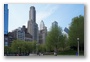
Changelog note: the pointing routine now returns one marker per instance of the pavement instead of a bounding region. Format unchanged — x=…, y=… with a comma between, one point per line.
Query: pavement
x=36, y=54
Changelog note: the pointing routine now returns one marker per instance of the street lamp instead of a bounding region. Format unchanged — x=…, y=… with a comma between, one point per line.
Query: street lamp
x=78, y=45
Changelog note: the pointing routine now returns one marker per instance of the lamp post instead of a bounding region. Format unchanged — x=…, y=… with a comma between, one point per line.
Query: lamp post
x=78, y=46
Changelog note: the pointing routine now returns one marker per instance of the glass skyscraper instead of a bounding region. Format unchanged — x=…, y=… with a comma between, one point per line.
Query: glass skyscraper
x=6, y=10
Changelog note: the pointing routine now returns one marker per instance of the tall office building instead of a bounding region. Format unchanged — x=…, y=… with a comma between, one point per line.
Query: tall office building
x=6, y=10
x=54, y=23
x=42, y=33
x=42, y=25
x=32, y=25
x=32, y=14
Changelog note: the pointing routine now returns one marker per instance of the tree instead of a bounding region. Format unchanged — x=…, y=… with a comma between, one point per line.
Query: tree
x=19, y=46
x=27, y=46
x=34, y=46
x=41, y=48
x=53, y=38
x=63, y=42
x=14, y=46
x=48, y=42
x=6, y=49
x=76, y=30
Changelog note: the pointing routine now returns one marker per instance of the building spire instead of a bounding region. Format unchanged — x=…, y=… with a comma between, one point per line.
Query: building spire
x=32, y=14
x=42, y=25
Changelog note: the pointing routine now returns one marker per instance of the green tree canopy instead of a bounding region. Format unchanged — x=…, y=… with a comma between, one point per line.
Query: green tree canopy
x=53, y=38
x=23, y=46
x=76, y=30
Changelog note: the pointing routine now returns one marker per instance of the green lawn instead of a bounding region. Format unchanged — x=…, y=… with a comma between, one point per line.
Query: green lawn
x=70, y=52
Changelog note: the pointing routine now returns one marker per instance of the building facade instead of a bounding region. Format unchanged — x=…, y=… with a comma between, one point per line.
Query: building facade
x=28, y=37
x=20, y=34
x=42, y=33
x=6, y=10
x=6, y=13
x=32, y=25
x=54, y=23
x=6, y=40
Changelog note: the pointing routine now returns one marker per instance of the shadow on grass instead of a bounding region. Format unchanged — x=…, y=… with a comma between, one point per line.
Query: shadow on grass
x=70, y=52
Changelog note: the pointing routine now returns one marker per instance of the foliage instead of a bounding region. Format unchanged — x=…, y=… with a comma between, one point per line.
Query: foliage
x=53, y=38
x=19, y=46
x=41, y=48
x=76, y=30
x=64, y=42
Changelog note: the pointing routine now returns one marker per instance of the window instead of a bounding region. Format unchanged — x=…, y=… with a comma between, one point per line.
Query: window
x=6, y=43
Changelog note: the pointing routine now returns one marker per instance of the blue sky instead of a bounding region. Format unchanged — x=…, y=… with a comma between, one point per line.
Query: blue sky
x=62, y=13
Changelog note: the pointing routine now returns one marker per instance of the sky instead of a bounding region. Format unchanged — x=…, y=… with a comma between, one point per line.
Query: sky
x=62, y=13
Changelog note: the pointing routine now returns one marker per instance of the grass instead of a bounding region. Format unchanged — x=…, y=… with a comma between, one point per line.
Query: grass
x=70, y=52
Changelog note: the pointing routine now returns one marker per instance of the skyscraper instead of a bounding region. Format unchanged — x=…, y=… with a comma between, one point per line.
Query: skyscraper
x=6, y=24
x=42, y=33
x=54, y=23
x=32, y=25
x=6, y=10
x=42, y=25
x=32, y=14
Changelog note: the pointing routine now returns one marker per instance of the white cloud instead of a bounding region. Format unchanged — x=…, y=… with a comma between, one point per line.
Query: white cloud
x=46, y=12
